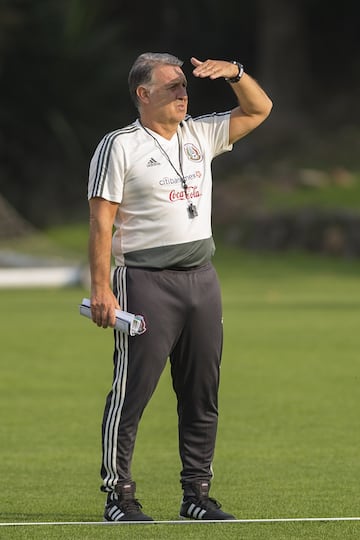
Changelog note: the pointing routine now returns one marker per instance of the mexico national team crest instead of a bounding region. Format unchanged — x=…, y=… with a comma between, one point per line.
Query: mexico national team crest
x=192, y=152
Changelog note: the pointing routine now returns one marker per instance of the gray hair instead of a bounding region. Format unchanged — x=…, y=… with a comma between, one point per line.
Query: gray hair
x=143, y=67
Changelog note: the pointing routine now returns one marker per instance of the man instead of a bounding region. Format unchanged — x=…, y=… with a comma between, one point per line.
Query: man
x=152, y=181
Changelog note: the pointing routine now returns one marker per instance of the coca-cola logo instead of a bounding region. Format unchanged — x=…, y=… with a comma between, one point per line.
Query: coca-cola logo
x=192, y=192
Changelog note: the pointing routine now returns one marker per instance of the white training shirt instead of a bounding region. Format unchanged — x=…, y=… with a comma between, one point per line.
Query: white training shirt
x=131, y=167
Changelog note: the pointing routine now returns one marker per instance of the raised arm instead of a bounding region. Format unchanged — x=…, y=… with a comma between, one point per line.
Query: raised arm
x=103, y=301
x=254, y=104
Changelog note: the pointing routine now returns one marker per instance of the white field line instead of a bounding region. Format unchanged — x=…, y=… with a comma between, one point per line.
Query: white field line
x=175, y=522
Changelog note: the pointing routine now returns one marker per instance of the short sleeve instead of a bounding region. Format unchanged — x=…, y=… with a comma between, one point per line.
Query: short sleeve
x=106, y=171
x=215, y=127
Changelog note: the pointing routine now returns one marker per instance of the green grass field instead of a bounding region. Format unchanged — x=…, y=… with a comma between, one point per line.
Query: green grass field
x=288, y=441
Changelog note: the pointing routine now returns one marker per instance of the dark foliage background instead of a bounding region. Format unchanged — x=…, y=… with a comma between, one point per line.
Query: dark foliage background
x=63, y=83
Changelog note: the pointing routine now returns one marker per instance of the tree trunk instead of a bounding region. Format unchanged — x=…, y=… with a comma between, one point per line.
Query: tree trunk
x=282, y=62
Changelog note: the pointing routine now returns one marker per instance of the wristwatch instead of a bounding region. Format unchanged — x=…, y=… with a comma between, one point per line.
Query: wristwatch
x=238, y=76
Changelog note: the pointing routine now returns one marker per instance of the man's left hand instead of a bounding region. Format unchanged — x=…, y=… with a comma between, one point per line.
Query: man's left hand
x=214, y=69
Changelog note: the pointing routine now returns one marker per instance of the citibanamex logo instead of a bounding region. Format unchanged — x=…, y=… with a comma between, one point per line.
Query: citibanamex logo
x=192, y=193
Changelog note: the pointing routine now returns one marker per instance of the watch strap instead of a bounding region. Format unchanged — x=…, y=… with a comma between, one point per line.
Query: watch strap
x=238, y=76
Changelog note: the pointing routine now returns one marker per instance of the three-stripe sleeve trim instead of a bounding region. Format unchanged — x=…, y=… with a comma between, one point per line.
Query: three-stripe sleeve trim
x=103, y=159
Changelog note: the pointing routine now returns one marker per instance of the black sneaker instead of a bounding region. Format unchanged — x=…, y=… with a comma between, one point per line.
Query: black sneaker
x=197, y=504
x=121, y=505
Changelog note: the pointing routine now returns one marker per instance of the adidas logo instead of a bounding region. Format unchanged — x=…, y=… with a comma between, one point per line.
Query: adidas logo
x=196, y=512
x=152, y=162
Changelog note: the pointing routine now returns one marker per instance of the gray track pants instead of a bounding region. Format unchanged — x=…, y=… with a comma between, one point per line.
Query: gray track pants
x=183, y=314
